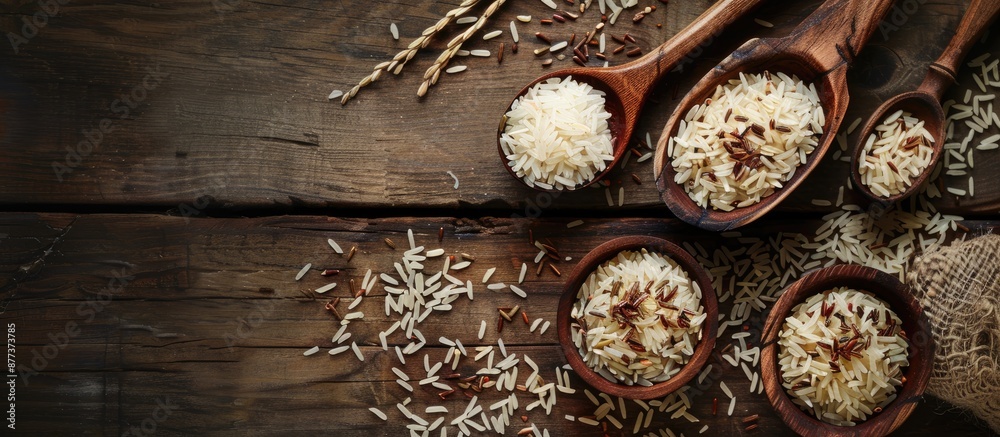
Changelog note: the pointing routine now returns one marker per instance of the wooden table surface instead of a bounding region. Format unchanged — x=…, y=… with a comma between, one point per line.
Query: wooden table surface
x=150, y=278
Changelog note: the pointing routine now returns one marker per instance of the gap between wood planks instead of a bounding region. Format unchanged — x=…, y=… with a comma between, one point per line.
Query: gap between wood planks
x=473, y=213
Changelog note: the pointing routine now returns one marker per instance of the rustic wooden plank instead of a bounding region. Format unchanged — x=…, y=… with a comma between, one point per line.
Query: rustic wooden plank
x=192, y=327
x=237, y=117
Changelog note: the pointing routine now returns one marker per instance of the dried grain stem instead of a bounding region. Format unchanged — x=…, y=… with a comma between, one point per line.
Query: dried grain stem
x=434, y=72
x=401, y=58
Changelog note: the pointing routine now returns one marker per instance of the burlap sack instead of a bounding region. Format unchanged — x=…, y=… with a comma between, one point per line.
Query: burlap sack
x=959, y=287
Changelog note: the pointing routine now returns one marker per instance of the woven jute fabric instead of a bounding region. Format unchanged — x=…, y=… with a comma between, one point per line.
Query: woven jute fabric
x=959, y=287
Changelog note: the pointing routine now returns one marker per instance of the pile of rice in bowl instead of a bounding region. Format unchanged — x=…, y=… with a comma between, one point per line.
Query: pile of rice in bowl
x=841, y=356
x=744, y=142
x=556, y=136
x=638, y=318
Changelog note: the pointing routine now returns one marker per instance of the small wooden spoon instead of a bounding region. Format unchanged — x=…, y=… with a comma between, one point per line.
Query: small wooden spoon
x=925, y=102
x=819, y=51
x=627, y=86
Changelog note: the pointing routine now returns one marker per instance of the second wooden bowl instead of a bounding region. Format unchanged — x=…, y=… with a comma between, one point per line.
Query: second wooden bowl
x=921, y=351
x=606, y=252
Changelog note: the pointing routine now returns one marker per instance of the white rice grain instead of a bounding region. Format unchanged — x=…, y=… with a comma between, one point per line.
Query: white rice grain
x=535, y=325
x=326, y=288
x=435, y=253
x=493, y=34
x=406, y=386
x=357, y=351
x=725, y=389
x=303, y=271
x=518, y=291
x=488, y=274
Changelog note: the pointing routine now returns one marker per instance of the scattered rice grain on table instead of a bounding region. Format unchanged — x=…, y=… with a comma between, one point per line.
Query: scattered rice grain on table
x=302, y=272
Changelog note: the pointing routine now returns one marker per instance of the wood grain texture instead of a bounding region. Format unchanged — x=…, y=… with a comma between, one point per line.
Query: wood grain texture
x=242, y=121
x=211, y=321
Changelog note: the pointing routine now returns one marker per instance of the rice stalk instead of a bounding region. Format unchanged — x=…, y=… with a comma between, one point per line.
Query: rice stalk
x=434, y=72
x=404, y=56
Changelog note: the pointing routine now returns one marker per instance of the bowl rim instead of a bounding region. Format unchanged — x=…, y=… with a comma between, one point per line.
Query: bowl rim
x=606, y=251
x=914, y=321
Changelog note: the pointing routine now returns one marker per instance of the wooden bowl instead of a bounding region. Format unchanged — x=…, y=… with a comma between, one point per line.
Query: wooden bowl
x=605, y=252
x=921, y=351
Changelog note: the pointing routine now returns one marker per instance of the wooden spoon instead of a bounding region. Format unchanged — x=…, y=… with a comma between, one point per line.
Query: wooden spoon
x=627, y=86
x=925, y=102
x=819, y=51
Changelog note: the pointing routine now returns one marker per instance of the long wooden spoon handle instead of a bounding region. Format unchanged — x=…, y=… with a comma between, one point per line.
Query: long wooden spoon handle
x=944, y=71
x=837, y=31
x=708, y=25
